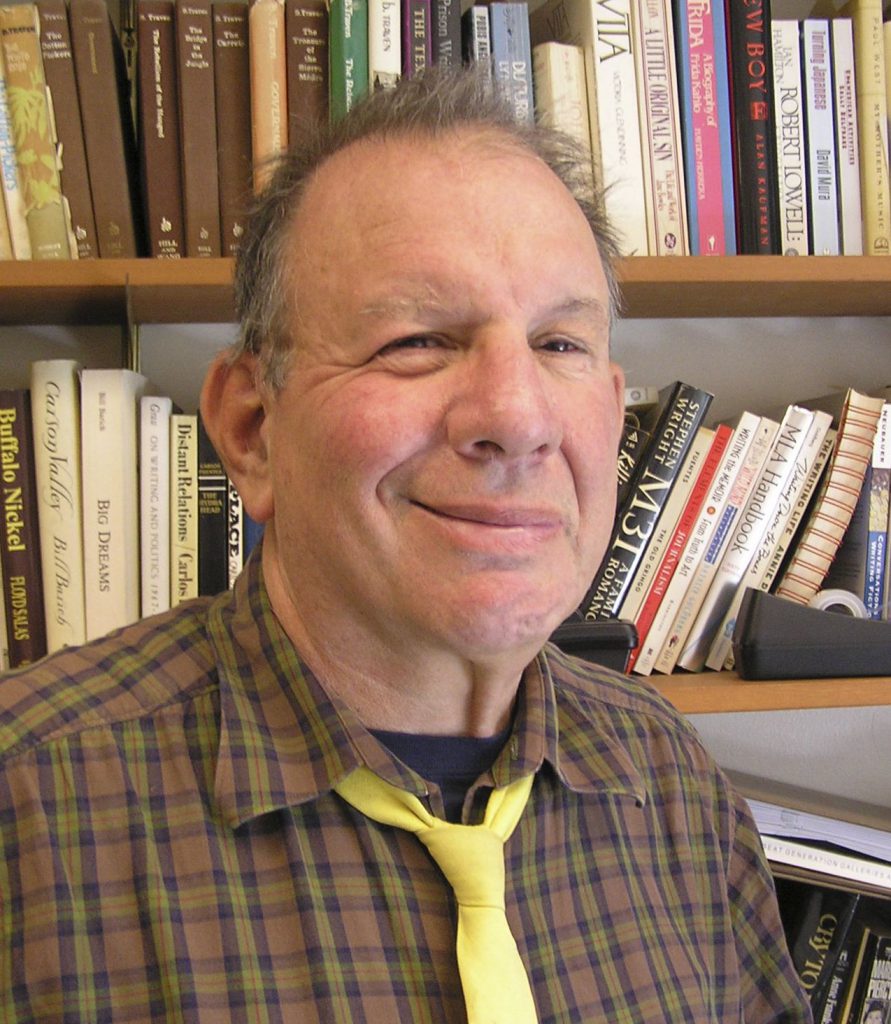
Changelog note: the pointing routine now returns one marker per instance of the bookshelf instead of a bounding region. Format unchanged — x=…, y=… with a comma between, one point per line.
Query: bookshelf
x=134, y=292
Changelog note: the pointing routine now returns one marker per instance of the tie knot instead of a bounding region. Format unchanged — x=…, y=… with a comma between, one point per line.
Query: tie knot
x=472, y=859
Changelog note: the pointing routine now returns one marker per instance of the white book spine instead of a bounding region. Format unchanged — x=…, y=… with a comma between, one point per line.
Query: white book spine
x=183, y=507
x=154, y=502
x=717, y=542
x=827, y=862
x=619, y=119
x=660, y=128
x=234, y=533
x=822, y=176
x=384, y=43
x=757, y=526
x=110, y=497
x=846, y=137
x=55, y=413
x=561, y=97
x=661, y=629
x=788, y=99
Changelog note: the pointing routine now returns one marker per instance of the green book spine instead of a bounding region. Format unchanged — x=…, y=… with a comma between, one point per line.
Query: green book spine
x=348, y=47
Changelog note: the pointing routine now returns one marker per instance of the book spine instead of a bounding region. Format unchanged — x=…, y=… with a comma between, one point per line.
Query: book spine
x=183, y=507
x=109, y=454
x=154, y=502
x=823, y=190
x=36, y=145
x=846, y=142
x=198, y=128
x=234, y=534
x=384, y=43
x=709, y=555
x=232, y=82
x=789, y=116
x=872, y=124
x=661, y=156
x=58, y=66
x=561, y=98
x=20, y=548
x=512, y=57
x=348, y=67
x=681, y=417
x=875, y=583
x=213, y=486
x=55, y=410
x=475, y=36
x=826, y=861
x=13, y=202
x=758, y=518
x=447, y=33
x=107, y=126
x=618, y=118
x=6, y=252
x=834, y=505
x=754, y=135
x=417, y=36
x=159, y=129
x=306, y=58
x=268, y=86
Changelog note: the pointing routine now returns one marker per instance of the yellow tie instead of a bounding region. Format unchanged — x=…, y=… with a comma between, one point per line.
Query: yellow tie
x=494, y=980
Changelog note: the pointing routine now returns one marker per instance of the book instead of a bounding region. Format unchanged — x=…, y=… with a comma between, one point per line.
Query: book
x=417, y=36
x=791, y=146
x=475, y=41
x=855, y=989
x=183, y=507
x=512, y=56
x=704, y=97
x=58, y=67
x=198, y=127
x=821, y=157
x=561, y=97
x=212, y=517
x=268, y=87
x=154, y=503
x=847, y=148
x=687, y=521
x=384, y=43
x=348, y=55
x=875, y=1007
x=829, y=1008
x=232, y=85
x=6, y=252
x=632, y=445
x=660, y=131
x=447, y=33
x=828, y=862
x=673, y=424
x=13, y=200
x=235, y=553
x=159, y=129
x=20, y=538
x=33, y=132
x=708, y=555
x=753, y=132
x=875, y=592
x=109, y=459
x=872, y=123
x=55, y=412
x=306, y=61
x=834, y=504
x=108, y=129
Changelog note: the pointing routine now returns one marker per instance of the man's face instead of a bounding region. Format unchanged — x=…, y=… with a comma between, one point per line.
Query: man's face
x=443, y=452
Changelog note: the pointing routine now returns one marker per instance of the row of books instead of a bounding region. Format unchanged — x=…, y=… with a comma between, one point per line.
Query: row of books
x=716, y=129
x=789, y=503
x=115, y=506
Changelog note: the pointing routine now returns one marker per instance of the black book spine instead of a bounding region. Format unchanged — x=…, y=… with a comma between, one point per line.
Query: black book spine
x=213, y=575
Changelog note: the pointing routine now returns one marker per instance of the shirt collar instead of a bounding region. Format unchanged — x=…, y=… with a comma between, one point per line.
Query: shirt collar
x=284, y=740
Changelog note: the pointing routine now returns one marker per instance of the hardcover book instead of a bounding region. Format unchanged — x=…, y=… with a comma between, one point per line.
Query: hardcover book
x=183, y=507
x=417, y=37
x=109, y=456
x=348, y=66
x=154, y=503
x=704, y=97
x=159, y=129
x=268, y=87
x=475, y=41
x=198, y=127
x=58, y=66
x=33, y=132
x=846, y=137
x=232, y=82
x=20, y=547
x=108, y=129
x=446, y=33
x=306, y=57
x=213, y=486
x=55, y=411
x=789, y=117
x=821, y=158
x=561, y=96
x=753, y=129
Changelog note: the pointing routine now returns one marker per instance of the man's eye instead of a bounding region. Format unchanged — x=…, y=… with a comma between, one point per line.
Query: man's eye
x=412, y=342
x=560, y=345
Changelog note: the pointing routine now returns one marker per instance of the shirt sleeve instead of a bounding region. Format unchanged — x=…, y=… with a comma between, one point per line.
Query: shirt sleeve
x=770, y=990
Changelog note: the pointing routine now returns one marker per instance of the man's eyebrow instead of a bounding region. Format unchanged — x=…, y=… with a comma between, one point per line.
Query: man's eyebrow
x=409, y=304
x=586, y=308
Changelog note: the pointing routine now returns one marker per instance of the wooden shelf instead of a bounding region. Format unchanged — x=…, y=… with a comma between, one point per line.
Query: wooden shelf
x=712, y=692
x=200, y=291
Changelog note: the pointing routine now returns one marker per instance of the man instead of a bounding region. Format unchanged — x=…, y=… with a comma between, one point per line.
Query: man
x=424, y=414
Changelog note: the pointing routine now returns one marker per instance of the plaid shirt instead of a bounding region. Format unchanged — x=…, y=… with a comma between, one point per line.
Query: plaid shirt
x=171, y=848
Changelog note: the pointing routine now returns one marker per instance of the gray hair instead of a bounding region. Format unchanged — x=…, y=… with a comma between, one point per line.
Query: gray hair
x=432, y=105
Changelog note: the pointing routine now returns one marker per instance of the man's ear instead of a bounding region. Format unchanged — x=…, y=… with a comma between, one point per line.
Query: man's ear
x=234, y=415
